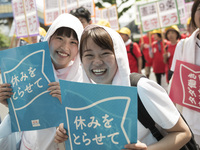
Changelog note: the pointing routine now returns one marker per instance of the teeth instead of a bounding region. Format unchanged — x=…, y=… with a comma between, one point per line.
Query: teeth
x=63, y=54
x=99, y=71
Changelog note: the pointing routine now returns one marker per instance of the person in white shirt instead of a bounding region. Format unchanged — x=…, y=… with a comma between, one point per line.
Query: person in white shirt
x=63, y=37
x=104, y=60
x=188, y=50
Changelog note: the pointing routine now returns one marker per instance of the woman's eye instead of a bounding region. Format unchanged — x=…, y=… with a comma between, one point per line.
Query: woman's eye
x=106, y=54
x=59, y=38
x=73, y=42
x=88, y=55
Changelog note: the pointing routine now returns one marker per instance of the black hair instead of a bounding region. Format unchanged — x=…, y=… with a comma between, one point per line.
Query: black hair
x=100, y=37
x=177, y=37
x=159, y=35
x=66, y=31
x=81, y=12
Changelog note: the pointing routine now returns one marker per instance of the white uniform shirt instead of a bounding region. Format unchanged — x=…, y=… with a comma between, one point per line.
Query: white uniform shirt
x=188, y=51
x=153, y=96
x=44, y=139
x=159, y=106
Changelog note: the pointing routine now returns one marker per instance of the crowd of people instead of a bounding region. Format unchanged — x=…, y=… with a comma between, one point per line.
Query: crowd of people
x=94, y=53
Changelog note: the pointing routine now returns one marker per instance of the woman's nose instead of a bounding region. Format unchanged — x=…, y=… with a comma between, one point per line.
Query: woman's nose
x=65, y=45
x=98, y=61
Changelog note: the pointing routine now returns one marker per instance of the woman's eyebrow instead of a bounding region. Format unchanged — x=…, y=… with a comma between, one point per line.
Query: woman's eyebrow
x=87, y=50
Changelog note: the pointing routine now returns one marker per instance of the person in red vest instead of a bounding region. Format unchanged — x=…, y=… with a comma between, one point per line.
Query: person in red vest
x=172, y=34
x=145, y=45
x=190, y=29
x=133, y=51
x=157, y=55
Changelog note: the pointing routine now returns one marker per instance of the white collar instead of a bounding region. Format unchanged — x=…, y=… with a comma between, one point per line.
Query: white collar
x=128, y=42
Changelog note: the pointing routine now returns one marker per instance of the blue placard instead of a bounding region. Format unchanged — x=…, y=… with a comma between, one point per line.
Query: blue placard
x=29, y=71
x=99, y=116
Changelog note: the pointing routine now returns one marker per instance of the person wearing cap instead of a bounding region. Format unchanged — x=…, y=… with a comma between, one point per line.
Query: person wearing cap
x=33, y=39
x=172, y=34
x=133, y=51
x=145, y=46
x=83, y=15
x=104, y=22
x=157, y=55
x=190, y=27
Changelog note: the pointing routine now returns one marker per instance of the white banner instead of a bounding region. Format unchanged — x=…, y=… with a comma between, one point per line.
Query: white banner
x=26, y=18
x=159, y=14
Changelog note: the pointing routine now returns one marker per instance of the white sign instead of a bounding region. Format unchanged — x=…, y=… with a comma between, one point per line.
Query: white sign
x=159, y=14
x=25, y=16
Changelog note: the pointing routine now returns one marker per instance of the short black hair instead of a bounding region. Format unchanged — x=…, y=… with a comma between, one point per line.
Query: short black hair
x=81, y=12
x=66, y=32
x=178, y=34
x=159, y=35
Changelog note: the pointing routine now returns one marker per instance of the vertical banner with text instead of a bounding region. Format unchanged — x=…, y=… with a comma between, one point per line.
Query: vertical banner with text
x=26, y=18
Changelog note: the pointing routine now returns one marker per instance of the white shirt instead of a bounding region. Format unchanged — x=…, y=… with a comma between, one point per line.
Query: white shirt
x=188, y=51
x=159, y=106
x=153, y=96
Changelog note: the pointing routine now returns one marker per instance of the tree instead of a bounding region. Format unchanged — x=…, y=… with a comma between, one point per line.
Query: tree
x=4, y=41
x=189, y=1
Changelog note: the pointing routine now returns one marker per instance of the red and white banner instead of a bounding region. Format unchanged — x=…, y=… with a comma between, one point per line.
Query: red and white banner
x=109, y=14
x=185, y=87
x=26, y=18
x=89, y=5
x=53, y=8
x=159, y=14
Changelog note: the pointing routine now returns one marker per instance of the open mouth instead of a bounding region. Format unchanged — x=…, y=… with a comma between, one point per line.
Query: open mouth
x=99, y=71
x=62, y=54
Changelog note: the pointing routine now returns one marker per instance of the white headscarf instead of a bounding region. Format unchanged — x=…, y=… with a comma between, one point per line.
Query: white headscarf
x=123, y=72
x=74, y=69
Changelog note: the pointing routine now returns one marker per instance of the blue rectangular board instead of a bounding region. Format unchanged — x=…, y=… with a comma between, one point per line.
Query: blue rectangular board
x=99, y=116
x=29, y=70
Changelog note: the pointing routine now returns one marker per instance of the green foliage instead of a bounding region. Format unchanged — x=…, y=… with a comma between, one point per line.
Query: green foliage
x=123, y=11
x=189, y=1
x=4, y=41
x=100, y=5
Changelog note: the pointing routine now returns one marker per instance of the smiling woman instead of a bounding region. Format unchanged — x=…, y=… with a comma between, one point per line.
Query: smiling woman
x=105, y=61
x=63, y=38
x=98, y=54
x=63, y=46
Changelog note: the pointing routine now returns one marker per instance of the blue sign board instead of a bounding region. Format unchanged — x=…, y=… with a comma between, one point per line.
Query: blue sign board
x=29, y=71
x=99, y=116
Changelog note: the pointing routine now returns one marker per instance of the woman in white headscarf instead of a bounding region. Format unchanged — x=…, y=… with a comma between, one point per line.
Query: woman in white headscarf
x=104, y=59
x=63, y=38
